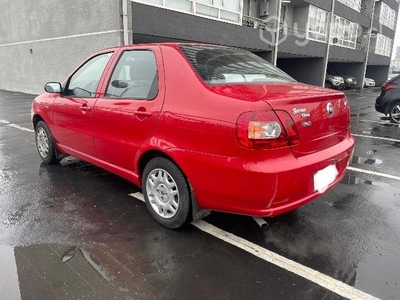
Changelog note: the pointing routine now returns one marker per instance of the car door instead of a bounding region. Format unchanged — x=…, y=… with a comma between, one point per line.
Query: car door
x=72, y=110
x=127, y=113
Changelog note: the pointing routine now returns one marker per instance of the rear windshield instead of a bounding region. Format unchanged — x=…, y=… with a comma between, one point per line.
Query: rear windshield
x=221, y=65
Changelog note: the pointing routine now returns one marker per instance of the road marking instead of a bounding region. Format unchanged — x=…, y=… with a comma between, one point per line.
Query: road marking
x=61, y=37
x=373, y=173
x=375, y=137
x=323, y=280
x=379, y=122
x=16, y=126
x=138, y=196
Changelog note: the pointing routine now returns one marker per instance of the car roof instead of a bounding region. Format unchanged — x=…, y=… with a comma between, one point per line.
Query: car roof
x=162, y=44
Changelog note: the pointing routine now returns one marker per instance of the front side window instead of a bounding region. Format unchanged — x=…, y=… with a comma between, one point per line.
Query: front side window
x=222, y=65
x=85, y=81
x=135, y=76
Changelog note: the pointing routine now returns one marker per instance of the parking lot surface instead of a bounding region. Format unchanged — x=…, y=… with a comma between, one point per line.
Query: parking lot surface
x=74, y=231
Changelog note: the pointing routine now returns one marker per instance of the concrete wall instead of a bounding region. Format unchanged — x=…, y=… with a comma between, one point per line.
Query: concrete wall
x=43, y=41
x=337, y=53
x=301, y=17
x=378, y=73
x=307, y=70
x=324, y=4
x=348, y=13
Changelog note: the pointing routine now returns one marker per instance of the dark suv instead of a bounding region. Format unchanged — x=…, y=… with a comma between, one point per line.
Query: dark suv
x=388, y=101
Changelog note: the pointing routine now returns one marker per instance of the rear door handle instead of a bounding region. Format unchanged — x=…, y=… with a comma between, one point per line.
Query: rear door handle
x=143, y=113
x=85, y=108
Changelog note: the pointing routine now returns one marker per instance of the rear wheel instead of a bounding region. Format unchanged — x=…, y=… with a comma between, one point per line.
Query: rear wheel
x=394, y=112
x=45, y=144
x=328, y=85
x=166, y=193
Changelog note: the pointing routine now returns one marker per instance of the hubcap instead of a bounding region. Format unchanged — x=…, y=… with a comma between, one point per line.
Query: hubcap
x=396, y=113
x=42, y=142
x=163, y=193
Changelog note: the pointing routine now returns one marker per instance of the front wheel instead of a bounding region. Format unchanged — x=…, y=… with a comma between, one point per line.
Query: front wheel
x=166, y=193
x=394, y=112
x=45, y=144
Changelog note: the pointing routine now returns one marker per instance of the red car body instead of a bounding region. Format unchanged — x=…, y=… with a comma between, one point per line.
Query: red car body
x=198, y=127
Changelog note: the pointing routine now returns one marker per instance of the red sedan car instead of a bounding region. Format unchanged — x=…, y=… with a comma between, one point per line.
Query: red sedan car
x=199, y=128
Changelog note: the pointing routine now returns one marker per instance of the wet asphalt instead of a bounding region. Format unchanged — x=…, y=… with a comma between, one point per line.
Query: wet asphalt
x=73, y=232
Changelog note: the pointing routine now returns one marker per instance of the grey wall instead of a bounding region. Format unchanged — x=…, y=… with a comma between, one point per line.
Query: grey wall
x=346, y=12
x=324, y=4
x=378, y=73
x=337, y=53
x=307, y=70
x=301, y=17
x=59, y=34
x=162, y=24
x=309, y=48
x=352, y=69
x=375, y=59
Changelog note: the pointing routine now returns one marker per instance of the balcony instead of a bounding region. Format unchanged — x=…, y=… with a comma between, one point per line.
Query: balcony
x=230, y=12
x=257, y=23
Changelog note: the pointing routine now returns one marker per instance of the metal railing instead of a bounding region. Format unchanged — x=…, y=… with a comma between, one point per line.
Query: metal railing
x=256, y=23
x=292, y=31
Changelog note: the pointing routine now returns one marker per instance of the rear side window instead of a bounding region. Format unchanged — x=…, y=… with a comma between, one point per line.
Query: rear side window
x=135, y=76
x=221, y=65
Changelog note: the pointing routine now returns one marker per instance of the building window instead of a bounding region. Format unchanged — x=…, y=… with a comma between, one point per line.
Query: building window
x=344, y=32
x=317, y=24
x=354, y=4
x=383, y=45
x=387, y=16
x=224, y=10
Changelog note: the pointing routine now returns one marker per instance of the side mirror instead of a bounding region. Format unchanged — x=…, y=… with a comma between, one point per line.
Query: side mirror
x=53, y=87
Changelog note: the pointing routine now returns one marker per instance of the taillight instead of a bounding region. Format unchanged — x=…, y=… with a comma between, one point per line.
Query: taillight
x=388, y=86
x=265, y=130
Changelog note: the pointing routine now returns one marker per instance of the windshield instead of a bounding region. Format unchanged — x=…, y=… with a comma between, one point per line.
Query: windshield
x=221, y=65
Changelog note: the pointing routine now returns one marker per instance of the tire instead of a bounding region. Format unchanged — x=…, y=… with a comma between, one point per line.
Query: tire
x=166, y=193
x=328, y=85
x=394, y=112
x=45, y=144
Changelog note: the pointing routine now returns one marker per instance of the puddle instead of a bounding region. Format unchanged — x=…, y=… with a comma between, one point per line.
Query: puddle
x=359, y=115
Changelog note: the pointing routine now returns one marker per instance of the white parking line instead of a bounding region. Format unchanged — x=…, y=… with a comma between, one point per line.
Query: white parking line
x=373, y=173
x=16, y=126
x=379, y=122
x=375, y=137
x=323, y=280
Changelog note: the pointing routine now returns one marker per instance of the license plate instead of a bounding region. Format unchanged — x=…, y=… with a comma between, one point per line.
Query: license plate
x=324, y=177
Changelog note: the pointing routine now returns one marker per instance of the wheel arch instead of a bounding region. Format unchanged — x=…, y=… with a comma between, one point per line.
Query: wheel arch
x=36, y=119
x=197, y=212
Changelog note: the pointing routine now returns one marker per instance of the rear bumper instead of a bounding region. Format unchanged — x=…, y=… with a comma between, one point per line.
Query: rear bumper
x=263, y=187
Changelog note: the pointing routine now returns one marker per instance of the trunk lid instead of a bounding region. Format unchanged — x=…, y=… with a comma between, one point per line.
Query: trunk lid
x=322, y=116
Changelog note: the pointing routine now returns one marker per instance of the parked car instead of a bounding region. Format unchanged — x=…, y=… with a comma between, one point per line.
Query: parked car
x=198, y=128
x=388, y=102
x=369, y=82
x=334, y=82
x=349, y=81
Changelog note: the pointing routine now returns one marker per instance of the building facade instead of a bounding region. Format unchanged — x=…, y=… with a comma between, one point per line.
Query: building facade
x=305, y=38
